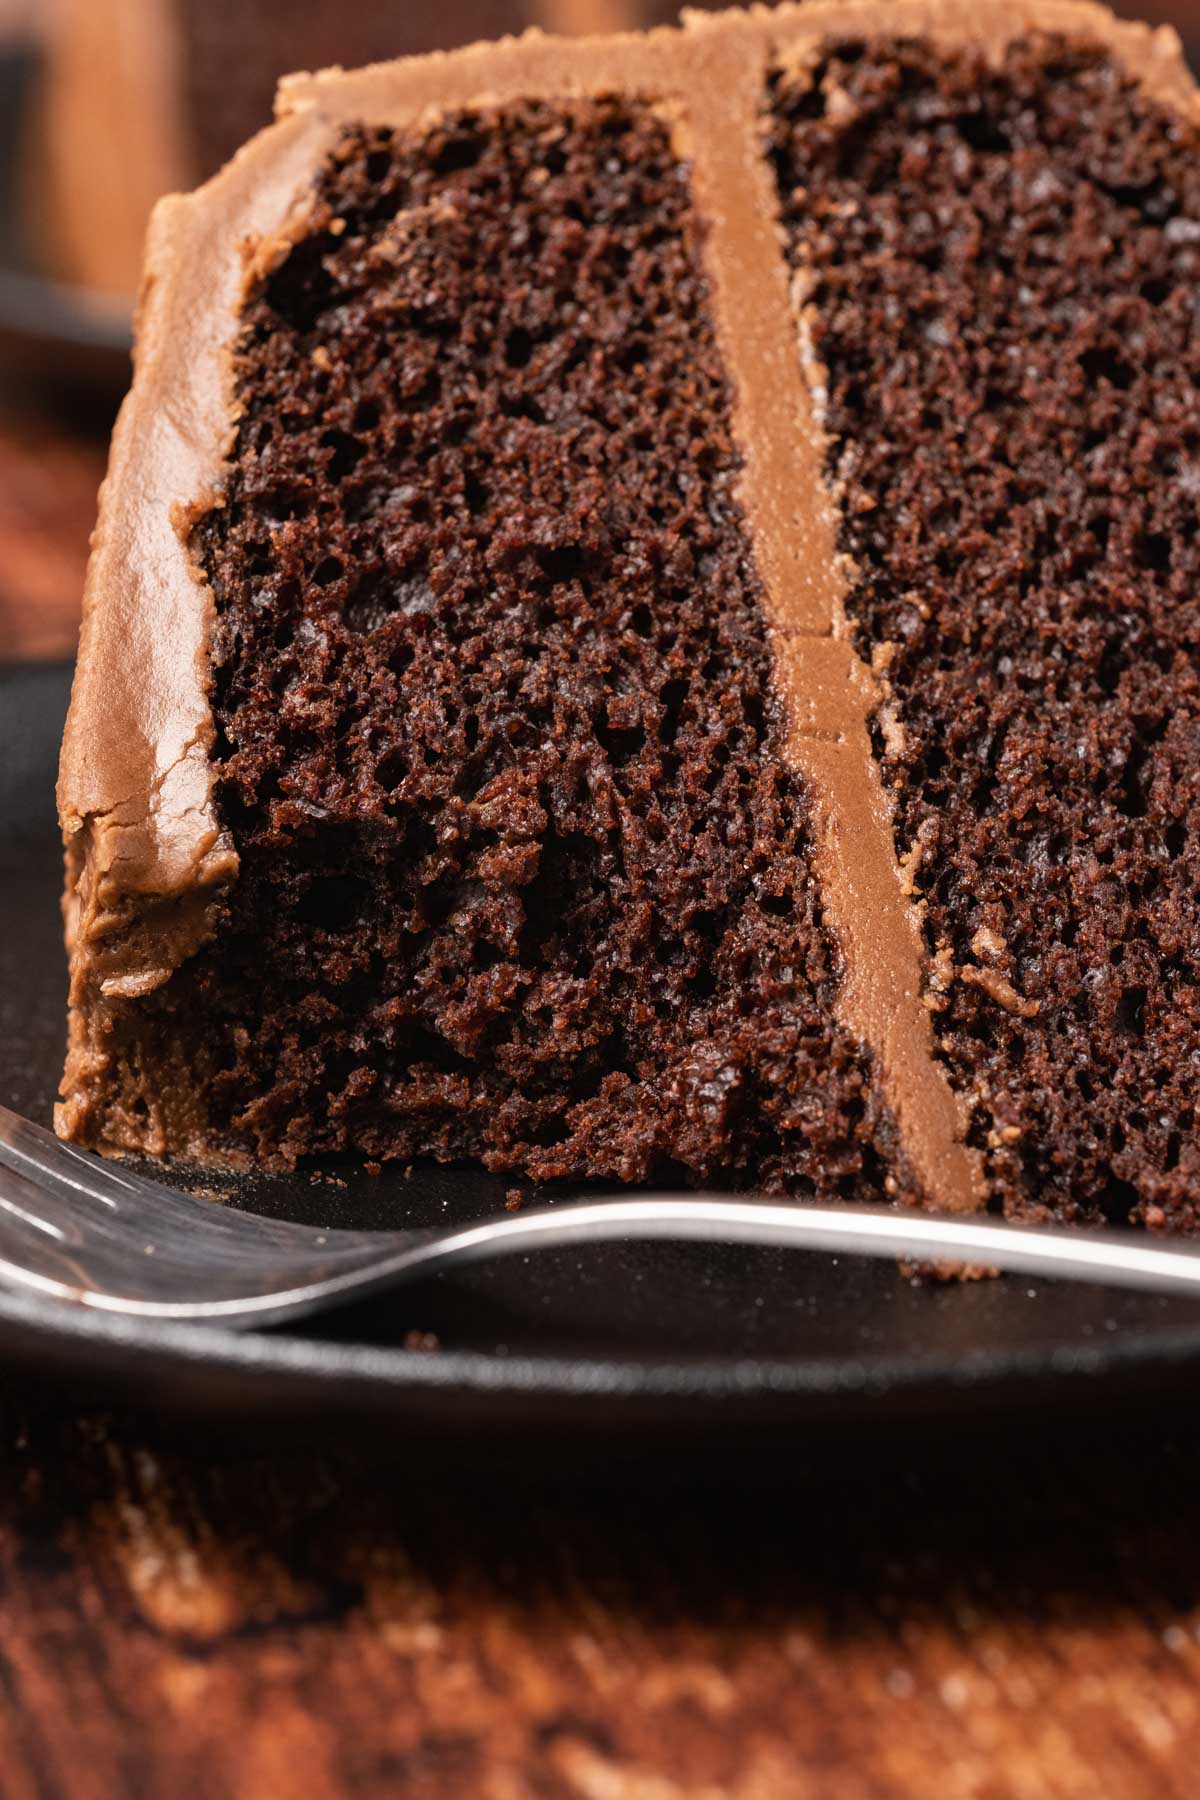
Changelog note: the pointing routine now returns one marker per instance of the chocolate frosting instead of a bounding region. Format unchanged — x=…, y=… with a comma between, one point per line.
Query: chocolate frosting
x=147, y=858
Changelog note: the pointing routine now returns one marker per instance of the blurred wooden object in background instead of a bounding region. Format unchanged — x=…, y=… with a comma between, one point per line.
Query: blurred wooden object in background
x=48, y=483
x=18, y=18
x=1183, y=14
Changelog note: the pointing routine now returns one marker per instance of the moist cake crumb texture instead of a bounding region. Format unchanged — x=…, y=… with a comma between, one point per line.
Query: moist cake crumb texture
x=1000, y=268
x=523, y=872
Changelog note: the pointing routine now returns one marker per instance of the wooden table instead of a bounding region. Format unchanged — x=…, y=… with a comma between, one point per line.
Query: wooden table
x=189, y=1615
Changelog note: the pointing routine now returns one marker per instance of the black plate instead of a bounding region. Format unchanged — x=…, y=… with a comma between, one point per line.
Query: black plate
x=49, y=331
x=653, y=1343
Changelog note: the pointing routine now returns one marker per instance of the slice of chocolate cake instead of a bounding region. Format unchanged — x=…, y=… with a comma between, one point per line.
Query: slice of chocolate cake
x=642, y=623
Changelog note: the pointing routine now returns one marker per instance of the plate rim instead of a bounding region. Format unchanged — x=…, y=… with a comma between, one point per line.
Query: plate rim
x=275, y=1366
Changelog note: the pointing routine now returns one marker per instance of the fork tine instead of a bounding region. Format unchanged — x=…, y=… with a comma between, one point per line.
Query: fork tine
x=32, y=1150
x=78, y=1182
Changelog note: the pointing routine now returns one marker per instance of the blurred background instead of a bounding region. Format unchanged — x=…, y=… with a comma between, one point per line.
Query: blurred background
x=104, y=105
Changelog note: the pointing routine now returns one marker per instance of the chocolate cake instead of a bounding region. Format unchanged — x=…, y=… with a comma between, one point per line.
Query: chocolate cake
x=148, y=97
x=643, y=624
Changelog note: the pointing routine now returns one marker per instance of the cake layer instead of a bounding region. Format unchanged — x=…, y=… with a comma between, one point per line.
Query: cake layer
x=523, y=871
x=998, y=268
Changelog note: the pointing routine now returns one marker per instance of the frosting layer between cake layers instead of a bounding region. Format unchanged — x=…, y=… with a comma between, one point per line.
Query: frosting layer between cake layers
x=152, y=858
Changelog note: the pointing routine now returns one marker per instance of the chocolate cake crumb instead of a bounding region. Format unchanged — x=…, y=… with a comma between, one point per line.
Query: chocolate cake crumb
x=524, y=874
x=1000, y=265
x=423, y=1341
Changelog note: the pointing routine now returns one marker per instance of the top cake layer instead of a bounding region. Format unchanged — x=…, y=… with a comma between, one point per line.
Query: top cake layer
x=151, y=853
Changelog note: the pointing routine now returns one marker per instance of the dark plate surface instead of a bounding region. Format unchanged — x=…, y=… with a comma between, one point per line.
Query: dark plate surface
x=650, y=1342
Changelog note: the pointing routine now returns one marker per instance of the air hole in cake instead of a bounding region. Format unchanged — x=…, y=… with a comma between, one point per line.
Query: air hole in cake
x=524, y=872
x=999, y=268
x=332, y=903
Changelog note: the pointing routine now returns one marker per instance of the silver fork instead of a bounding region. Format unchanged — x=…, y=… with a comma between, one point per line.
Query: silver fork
x=98, y=1234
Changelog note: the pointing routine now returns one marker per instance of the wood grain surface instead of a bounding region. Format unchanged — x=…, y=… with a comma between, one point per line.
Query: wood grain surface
x=196, y=1619
x=186, y=1615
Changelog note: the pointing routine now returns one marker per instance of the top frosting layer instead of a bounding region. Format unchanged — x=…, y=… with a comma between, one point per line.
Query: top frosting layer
x=136, y=785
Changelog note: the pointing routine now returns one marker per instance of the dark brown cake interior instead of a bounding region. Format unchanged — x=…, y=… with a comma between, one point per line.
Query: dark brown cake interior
x=1005, y=264
x=523, y=874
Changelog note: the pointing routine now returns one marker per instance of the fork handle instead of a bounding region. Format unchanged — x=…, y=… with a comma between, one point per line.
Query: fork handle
x=1113, y=1258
